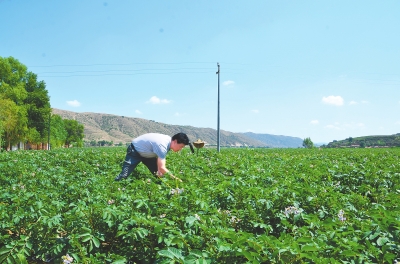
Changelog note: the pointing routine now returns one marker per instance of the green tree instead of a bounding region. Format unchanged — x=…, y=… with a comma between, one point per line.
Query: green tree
x=58, y=133
x=307, y=143
x=1, y=134
x=33, y=137
x=12, y=80
x=38, y=106
x=74, y=133
x=31, y=99
x=14, y=122
x=12, y=95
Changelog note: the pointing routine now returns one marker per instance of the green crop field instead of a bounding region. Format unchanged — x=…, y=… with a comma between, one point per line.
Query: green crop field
x=236, y=206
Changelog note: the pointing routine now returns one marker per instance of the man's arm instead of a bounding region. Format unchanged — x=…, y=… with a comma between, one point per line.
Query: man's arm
x=161, y=164
x=162, y=169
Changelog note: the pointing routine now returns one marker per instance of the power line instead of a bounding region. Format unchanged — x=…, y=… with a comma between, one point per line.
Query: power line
x=130, y=70
x=118, y=64
x=116, y=74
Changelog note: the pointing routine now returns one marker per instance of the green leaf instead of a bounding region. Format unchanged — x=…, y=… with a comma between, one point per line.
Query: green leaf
x=382, y=241
x=22, y=259
x=196, y=253
x=225, y=247
x=119, y=261
x=4, y=250
x=96, y=242
x=304, y=240
x=309, y=248
x=247, y=255
x=172, y=253
x=84, y=235
x=85, y=239
x=190, y=220
x=389, y=257
x=158, y=228
x=349, y=253
x=76, y=257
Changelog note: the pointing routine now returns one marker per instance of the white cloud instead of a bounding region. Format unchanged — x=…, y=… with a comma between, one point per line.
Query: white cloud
x=333, y=100
x=74, y=103
x=364, y=102
x=353, y=103
x=156, y=100
x=226, y=83
x=314, y=122
x=255, y=111
x=138, y=112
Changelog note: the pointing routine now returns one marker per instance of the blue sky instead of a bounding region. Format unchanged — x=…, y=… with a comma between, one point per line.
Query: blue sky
x=327, y=70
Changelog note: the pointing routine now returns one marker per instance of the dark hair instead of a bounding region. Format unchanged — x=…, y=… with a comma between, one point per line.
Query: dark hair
x=182, y=138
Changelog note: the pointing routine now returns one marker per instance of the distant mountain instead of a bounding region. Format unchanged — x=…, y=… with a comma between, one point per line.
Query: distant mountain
x=275, y=141
x=123, y=129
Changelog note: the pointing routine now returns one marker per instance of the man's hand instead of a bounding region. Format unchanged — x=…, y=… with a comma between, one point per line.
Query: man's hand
x=159, y=174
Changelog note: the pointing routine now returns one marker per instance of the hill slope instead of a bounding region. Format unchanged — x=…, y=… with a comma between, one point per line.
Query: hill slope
x=276, y=141
x=123, y=129
x=367, y=141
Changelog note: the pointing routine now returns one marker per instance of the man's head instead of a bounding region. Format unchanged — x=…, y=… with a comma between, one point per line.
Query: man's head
x=179, y=141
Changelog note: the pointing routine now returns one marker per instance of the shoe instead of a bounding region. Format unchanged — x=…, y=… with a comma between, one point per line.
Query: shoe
x=120, y=177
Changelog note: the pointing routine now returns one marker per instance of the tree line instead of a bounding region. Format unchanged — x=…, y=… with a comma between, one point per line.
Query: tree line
x=25, y=111
x=101, y=143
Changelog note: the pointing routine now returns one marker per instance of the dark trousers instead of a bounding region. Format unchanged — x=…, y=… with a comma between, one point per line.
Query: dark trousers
x=132, y=159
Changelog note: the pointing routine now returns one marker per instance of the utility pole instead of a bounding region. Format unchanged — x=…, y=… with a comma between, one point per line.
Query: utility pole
x=218, y=132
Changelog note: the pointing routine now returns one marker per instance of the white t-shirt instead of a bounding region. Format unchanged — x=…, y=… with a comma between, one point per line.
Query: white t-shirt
x=152, y=145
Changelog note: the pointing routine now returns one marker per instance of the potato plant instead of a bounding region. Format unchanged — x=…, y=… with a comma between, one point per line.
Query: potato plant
x=236, y=206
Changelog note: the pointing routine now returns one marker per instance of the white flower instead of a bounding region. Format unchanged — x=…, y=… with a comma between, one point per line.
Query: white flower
x=67, y=259
x=197, y=217
x=176, y=191
x=227, y=212
x=341, y=215
x=235, y=220
x=291, y=210
x=111, y=201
